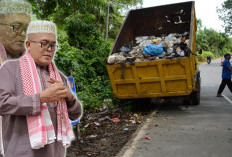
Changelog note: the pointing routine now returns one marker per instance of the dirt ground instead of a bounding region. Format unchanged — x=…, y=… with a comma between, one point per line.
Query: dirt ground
x=104, y=133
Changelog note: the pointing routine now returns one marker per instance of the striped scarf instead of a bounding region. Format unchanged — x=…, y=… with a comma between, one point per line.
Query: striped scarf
x=40, y=127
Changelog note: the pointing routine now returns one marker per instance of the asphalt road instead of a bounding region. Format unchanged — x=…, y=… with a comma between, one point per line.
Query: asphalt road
x=188, y=131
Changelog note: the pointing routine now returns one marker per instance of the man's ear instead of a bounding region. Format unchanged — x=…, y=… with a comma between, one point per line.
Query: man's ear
x=28, y=45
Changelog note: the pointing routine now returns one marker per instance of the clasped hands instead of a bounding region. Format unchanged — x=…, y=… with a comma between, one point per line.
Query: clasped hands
x=55, y=92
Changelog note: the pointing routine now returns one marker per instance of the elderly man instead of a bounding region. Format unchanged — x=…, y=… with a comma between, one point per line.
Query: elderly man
x=14, y=19
x=35, y=102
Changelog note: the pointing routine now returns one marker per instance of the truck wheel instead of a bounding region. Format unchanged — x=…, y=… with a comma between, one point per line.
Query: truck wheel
x=196, y=94
x=196, y=97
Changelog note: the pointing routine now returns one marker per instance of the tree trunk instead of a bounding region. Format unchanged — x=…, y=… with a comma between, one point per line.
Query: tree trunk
x=107, y=19
x=75, y=6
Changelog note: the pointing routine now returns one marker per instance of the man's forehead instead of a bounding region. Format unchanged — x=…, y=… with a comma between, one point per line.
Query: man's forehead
x=16, y=18
x=42, y=37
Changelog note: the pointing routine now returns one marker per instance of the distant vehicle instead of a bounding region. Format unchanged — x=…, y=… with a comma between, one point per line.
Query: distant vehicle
x=208, y=59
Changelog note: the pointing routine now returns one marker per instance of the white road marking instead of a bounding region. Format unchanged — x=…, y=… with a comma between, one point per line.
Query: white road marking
x=141, y=134
x=230, y=101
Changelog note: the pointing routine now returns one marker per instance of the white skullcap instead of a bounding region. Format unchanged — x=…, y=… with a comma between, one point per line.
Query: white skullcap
x=14, y=7
x=41, y=27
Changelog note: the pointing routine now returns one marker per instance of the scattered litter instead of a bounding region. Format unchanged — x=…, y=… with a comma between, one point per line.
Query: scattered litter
x=92, y=136
x=96, y=123
x=90, y=143
x=147, y=138
x=102, y=119
x=106, y=103
x=136, y=115
x=115, y=120
x=134, y=121
x=126, y=129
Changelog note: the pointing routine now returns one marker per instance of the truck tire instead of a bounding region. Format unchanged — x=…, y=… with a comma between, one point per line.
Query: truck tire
x=196, y=94
x=192, y=99
x=196, y=97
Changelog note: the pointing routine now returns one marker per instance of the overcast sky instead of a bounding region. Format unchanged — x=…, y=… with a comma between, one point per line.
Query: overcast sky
x=205, y=10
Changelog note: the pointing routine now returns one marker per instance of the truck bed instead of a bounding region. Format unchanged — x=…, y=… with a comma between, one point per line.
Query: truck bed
x=160, y=78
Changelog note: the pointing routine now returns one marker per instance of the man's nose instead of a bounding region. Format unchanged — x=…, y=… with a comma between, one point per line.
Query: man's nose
x=49, y=48
x=22, y=32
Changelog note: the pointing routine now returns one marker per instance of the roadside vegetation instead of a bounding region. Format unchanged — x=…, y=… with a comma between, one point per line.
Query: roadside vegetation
x=213, y=43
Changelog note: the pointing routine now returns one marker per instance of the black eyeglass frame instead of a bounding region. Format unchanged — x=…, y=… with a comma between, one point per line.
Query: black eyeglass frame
x=53, y=46
x=21, y=28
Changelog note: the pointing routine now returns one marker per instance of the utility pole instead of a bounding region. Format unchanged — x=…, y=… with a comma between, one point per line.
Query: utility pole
x=107, y=19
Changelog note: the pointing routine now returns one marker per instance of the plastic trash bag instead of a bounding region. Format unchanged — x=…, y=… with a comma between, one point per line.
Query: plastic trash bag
x=125, y=48
x=116, y=59
x=153, y=50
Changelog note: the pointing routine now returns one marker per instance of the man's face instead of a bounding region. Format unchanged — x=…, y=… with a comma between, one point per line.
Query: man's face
x=11, y=40
x=42, y=55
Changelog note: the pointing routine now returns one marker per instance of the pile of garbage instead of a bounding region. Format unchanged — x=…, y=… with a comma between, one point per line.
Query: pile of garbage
x=153, y=48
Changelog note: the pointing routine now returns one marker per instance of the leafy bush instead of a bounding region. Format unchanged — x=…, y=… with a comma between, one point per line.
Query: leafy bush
x=205, y=54
x=85, y=61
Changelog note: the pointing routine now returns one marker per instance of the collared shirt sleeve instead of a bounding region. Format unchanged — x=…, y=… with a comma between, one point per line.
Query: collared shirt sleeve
x=74, y=109
x=74, y=106
x=11, y=101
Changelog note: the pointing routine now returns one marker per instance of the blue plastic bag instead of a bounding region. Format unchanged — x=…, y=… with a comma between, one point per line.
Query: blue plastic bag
x=153, y=49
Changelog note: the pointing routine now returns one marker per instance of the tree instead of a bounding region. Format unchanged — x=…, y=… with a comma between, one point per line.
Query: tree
x=225, y=14
x=211, y=40
x=83, y=52
x=199, y=24
x=58, y=10
x=107, y=19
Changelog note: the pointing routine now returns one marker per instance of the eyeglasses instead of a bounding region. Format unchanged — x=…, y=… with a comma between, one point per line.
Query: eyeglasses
x=46, y=45
x=17, y=28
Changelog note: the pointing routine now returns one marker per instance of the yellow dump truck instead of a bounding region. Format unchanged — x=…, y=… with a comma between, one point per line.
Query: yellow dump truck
x=178, y=77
